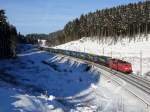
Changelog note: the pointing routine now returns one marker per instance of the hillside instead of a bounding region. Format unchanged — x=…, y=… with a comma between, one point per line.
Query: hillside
x=131, y=51
x=111, y=23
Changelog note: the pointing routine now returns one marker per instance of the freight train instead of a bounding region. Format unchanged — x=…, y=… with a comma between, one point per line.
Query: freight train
x=116, y=64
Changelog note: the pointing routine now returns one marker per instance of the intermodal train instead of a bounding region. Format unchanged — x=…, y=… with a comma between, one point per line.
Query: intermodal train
x=113, y=63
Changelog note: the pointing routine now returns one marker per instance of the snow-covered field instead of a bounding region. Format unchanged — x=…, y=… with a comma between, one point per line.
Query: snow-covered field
x=137, y=52
x=37, y=81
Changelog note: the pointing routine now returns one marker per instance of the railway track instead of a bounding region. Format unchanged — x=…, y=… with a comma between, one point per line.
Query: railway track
x=141, y=78
x=142, y=84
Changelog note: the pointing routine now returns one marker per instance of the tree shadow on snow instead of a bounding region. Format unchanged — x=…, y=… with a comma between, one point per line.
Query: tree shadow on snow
x=76, y=78
x=63, y=78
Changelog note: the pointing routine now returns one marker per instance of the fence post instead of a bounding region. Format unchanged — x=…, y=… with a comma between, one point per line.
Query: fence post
x=103, y=50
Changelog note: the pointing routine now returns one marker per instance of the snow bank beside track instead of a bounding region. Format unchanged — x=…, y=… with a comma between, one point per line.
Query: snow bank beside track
x=136, y=51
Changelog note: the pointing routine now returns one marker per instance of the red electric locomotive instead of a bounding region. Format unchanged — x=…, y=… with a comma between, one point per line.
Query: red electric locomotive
x=120, y=65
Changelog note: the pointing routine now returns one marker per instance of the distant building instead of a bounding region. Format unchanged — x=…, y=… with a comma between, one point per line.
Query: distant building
x=42, y=42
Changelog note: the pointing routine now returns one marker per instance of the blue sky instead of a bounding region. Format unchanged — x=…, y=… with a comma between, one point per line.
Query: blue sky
x=45, y=16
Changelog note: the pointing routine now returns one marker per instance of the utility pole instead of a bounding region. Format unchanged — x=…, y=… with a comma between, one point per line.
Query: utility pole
x=103, y=50
x=141, y=63
x=147, y=17
x=111, y=52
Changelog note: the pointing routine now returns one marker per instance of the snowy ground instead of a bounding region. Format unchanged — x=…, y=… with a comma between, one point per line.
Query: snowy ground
x=137, y=52
x=37, y=81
